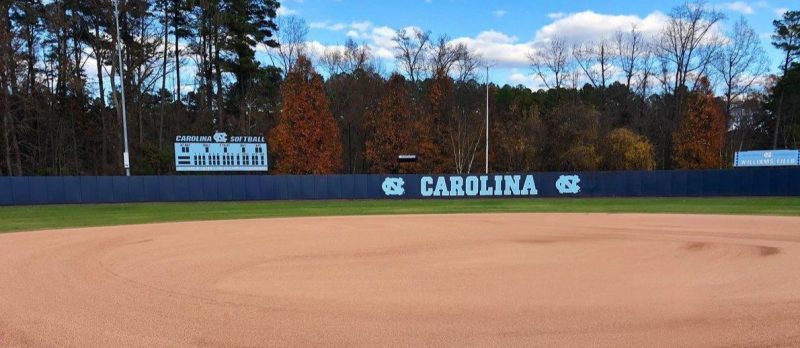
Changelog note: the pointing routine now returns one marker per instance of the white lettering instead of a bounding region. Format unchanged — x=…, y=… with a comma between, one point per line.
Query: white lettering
x=485, y=190
x=456, y=186
x=529, y=188
x=472, y=186
x=441, y=187
x=512, y=185
x=498, y=185
x=478, y=185
x=424, y=185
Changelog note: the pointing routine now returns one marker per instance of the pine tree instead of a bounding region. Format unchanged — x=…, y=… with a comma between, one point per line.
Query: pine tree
x=248, y=23
x=179, y=20
x=786, y=39
x=306, y=139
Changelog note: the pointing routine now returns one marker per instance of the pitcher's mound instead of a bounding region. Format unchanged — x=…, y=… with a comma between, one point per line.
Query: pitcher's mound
x=456, y=280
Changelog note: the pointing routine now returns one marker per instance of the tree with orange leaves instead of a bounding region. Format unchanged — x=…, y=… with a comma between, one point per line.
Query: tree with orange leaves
x=391, y=129
x=305, y=139
x=439, y=100
x=698, y=143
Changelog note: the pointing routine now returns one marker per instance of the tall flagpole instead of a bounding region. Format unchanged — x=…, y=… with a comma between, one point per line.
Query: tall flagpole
x=125, y=155
x=487, y=120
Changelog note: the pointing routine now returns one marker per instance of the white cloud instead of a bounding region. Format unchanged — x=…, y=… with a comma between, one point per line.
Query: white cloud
x=518, y=78
x=361, y=26
x=316, y=49
x=762, y=4
x=327, y=25
x=286, y=11
x=498, y=48
x=739, y=6
x=378, y=39
x=382, y=42
x=499, y=13
x=589, y=25
x=507, y=53
x=526, y=79
x=780, y=11
x=90, y=66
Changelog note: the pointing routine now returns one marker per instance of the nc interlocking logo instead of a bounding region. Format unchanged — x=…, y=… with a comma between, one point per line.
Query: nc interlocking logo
x=221, y=137
x=393, y=187
x=568, y=184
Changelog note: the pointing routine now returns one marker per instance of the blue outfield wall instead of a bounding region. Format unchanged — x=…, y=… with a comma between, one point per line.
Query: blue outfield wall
x=184, y=188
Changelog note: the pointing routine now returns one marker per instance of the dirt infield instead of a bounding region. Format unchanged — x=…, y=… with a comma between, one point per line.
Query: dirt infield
x=453, y=280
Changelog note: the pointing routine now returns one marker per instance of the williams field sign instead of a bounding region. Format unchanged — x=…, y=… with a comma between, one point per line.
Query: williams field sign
x=508, y=185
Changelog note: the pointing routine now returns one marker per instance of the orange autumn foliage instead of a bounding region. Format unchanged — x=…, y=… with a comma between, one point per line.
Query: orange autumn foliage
x=305, y=139
x=433, y=138
x=390, y=130
x=699, y=140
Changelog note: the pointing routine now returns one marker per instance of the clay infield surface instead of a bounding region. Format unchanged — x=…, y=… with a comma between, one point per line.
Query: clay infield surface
x=423, y=280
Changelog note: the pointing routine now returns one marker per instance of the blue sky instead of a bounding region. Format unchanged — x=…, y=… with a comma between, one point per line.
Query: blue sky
x=503, y=31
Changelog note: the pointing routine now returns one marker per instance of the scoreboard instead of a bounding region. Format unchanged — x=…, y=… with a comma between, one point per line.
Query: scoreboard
x=220, y=153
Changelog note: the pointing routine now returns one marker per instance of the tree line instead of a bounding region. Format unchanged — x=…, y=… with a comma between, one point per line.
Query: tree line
x=687, y=97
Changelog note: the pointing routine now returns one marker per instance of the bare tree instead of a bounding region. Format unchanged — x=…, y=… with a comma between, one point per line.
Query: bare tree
x=551, y=63
x=348, y=59
x=466, y=68
x=740, y=63
x=142, y=66
x=331, y=60
x=291, y=35
x=688, y=44
x=583, y=54
x=594, y=59
x=574, y=79
x=629, y=47
x=356, y=57
x=644, y=71
x=465, y=127
x=444, y=55
x=410, y=51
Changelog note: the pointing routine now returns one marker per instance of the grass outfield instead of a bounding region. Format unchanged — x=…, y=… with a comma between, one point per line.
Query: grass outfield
x=27, y=218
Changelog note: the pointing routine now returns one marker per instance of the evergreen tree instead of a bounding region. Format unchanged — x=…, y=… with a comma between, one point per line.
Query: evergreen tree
x=179, y=18
x=787, y=39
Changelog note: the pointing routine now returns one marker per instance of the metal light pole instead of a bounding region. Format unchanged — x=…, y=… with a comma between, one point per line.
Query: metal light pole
x=487, y=120
x=349, y=149
x=125, y=155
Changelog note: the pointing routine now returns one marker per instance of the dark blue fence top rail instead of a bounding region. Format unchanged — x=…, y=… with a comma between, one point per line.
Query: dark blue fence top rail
x=182, y=188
